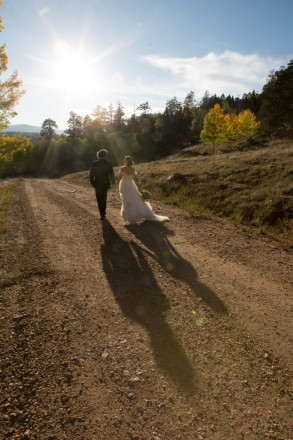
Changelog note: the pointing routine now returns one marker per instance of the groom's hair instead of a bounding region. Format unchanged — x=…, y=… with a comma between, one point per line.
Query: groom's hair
x=102, y=154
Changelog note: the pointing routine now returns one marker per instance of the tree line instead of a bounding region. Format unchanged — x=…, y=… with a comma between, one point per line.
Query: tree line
x=146, y=135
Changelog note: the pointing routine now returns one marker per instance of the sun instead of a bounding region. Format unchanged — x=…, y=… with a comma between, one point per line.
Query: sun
x=72, y=69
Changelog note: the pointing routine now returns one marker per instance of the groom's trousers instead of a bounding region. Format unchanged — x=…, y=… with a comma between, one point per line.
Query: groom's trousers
x=101, y=195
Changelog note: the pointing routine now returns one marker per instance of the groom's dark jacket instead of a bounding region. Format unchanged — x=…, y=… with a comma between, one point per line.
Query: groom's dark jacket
x=102, y=174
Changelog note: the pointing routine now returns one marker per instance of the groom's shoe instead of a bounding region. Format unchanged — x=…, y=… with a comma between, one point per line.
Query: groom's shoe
x=103, y=217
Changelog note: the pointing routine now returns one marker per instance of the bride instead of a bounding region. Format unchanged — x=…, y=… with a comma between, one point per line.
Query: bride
x=134, y=208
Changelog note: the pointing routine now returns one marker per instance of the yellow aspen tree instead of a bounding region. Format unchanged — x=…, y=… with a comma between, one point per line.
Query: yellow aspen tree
x=1, y=26
x=232, y=131
x=9, y=91
x=214, y=126
x=247, y=123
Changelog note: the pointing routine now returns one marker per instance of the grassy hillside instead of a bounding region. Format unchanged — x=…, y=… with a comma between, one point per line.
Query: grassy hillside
x=252, y=187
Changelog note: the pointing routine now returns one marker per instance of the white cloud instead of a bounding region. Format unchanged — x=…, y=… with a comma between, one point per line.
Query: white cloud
x=228, y=73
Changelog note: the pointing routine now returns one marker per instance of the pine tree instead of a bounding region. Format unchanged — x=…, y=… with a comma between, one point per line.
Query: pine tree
x=111, y=113
x=119, y=116
x=48, y=128
x=144, y=107
x=75, y=126
x=101, y=115
x=189, y=102
x=277, y=101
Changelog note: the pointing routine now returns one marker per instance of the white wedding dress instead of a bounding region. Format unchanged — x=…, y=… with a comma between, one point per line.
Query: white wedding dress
x=134, y=208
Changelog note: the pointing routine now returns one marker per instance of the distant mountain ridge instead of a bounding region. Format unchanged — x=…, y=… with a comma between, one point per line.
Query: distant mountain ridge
x=25, y=128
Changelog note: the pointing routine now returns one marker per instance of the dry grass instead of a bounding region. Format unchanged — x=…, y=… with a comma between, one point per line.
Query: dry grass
x=8, y=194
x=252, y=187
x=80, y=178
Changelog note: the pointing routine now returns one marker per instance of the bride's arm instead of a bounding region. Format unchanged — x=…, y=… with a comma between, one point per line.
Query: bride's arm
x=136, y=182
x=120, y=175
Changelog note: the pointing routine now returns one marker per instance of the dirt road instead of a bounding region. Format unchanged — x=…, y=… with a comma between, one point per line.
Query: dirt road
x=180, y=330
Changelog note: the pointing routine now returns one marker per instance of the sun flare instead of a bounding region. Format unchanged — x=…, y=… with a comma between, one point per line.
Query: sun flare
x=72, y=70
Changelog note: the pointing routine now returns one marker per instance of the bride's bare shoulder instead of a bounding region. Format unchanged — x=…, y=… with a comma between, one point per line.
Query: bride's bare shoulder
x=127, y=170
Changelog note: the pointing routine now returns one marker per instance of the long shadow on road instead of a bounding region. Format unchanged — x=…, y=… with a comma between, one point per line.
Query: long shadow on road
x=154, y=236
x=141, y=300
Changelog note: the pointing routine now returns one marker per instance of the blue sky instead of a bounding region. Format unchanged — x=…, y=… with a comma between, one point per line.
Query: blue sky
x=75, y=55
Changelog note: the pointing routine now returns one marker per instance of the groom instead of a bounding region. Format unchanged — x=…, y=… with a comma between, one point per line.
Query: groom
x=101, y=177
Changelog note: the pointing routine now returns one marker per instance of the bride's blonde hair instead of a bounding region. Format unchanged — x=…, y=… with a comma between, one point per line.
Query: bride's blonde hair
x=128, y=160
